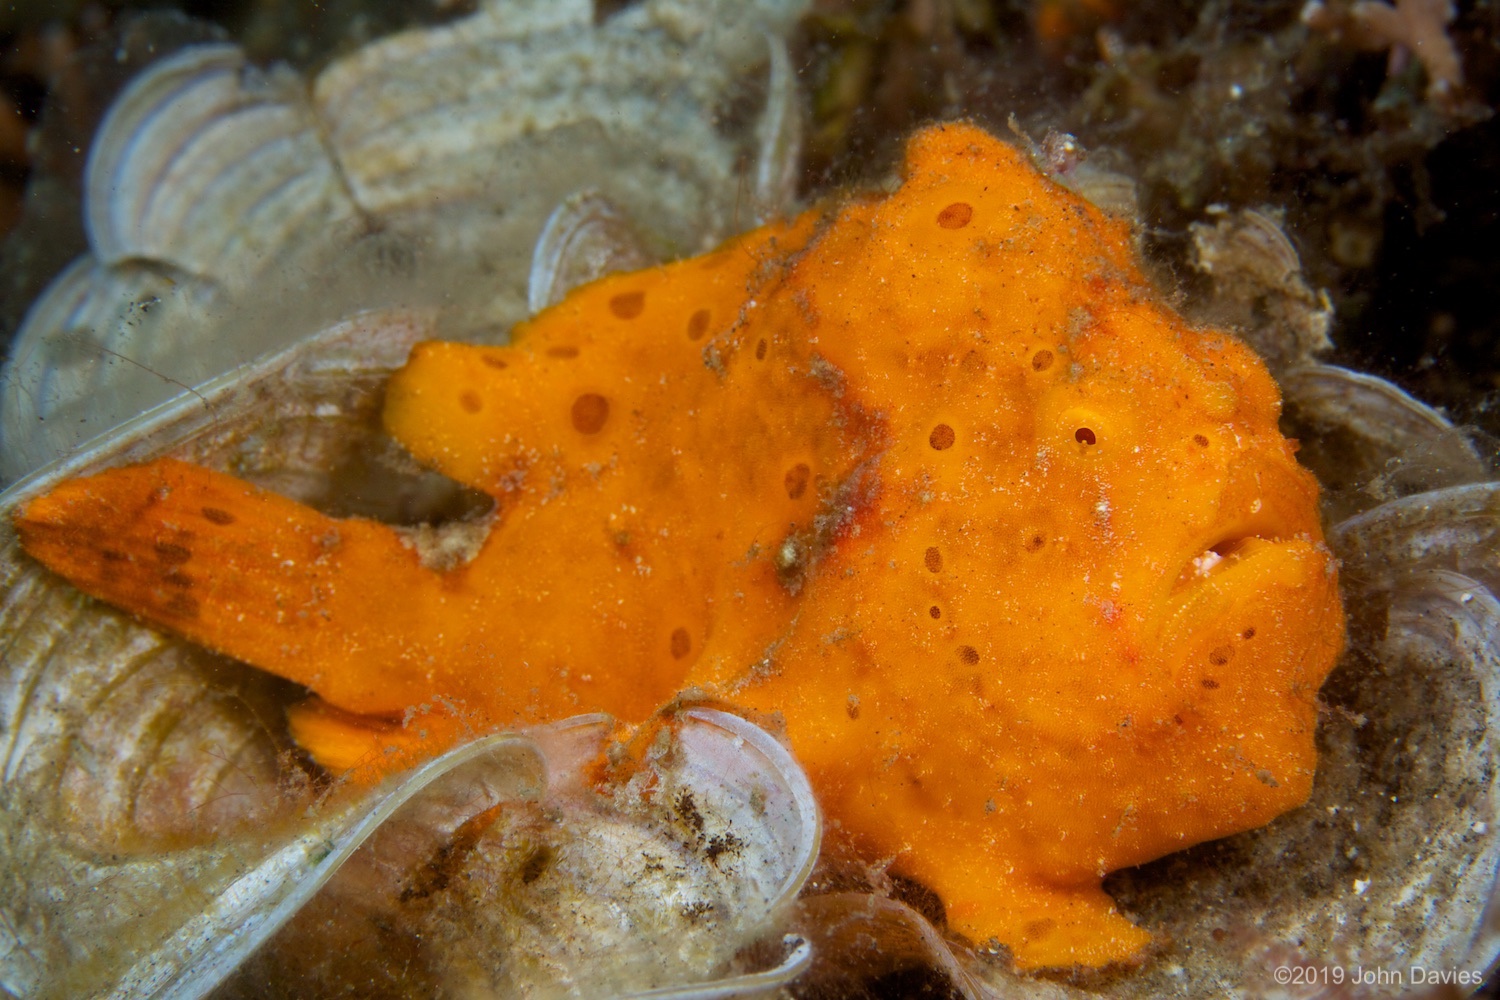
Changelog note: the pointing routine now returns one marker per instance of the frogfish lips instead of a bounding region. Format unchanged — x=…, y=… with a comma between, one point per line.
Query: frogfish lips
x=1020, y=558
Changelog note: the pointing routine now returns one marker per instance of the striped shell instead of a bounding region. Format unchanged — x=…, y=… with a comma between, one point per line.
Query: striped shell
x=232, y=210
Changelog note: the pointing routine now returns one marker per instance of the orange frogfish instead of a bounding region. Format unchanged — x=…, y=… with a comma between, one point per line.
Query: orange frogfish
x=1020, y=558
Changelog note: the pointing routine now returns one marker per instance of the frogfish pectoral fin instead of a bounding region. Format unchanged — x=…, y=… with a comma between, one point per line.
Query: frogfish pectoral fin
x=368, y=747
x=249, y=574
x=1045, y=927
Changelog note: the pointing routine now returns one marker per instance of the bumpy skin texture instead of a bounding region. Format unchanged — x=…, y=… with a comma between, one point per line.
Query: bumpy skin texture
x=1020, y=558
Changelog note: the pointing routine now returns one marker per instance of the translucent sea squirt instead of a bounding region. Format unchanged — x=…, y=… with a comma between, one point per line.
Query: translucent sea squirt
x=1021, y=559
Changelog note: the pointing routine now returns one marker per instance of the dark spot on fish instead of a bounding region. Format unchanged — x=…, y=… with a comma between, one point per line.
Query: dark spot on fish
x=956, y=215
x=171, y=552
x=628, y=305
x=590, y=411
x=176, y=578
x=697, y=324
x=796, y=479
x=218, y=516
x=182, y=606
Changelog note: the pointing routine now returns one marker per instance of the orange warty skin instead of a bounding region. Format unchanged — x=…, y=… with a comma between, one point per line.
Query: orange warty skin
x=1021, y=559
